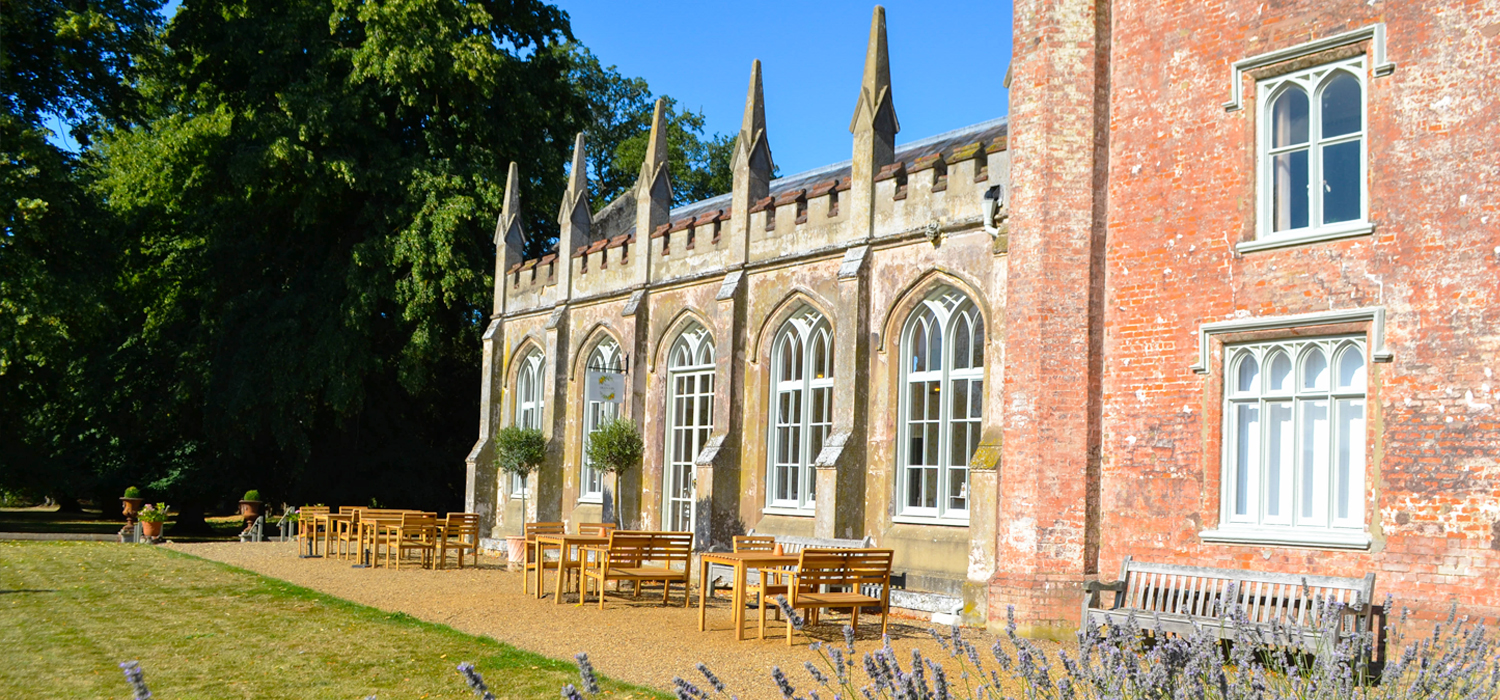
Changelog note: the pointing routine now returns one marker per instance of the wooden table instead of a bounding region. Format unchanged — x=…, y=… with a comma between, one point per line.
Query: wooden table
x=371, y=524
x=740, y=562
x=565, y=544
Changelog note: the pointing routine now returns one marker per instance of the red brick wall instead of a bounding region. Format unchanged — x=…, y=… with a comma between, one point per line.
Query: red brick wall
x=1181, y=192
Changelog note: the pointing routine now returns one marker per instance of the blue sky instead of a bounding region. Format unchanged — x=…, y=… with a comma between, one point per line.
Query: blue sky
x=948, y=61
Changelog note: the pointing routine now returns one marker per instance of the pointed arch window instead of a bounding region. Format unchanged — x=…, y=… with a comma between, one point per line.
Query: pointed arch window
x=690, y=414
x=1313, y=154
x=605, y=358
x=942, y=363
x=801, y=408
x=528, y=404
x=1294, y=442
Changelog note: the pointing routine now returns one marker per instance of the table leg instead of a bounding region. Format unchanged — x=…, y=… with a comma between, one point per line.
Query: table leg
x=702, y=597
x=739, y=601
x=562, y=570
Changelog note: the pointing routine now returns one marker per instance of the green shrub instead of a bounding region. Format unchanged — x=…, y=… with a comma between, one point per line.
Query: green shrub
x=615, y=448
x=520, y=451
x=132, y=492
x=251, y=495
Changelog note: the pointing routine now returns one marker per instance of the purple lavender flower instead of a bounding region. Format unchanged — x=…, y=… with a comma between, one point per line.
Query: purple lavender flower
x=815, y=673
x=686, y=690
x=475, y=681
x=791, y=614
x=586, y=673
x=571, y=693
x=787, y=691
x=849, y=639
x=713, y=680
x=137, y=679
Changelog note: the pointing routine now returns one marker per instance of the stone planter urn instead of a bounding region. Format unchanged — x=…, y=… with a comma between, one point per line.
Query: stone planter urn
x=515, y=546
x=250, y=510
x=131, y=507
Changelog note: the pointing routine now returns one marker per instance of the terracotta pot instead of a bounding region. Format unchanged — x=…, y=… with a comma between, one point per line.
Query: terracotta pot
x=516, y=548
x=251, y=510
x=151, y=529
x=131, y=506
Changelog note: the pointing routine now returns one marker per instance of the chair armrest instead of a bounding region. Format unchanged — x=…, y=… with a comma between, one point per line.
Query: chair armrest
x=1098, y=586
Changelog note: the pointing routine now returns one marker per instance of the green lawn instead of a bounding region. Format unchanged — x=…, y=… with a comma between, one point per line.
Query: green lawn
x=71, y=611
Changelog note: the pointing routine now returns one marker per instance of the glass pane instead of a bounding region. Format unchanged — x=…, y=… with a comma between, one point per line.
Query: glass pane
x=932, y=402
x=1280, y=445
x=706, y=354
x=958, y=489
x=935, y=349
x=820, y=357
x=919, y=348
x=1349, y=475
x=914, y=411
x=1352, y=368
x=1341, y=182
x=929, y=488
x=1281, y=373
x=1289, y=190
x=931, y=458
x=978, y=360
x=1247, y=454
x=961, y=344
x=914, y=488
x=786, y=359
x=958, y=444
x=960, y=407
x=976, y=398
x=1341, y=106
x=1289, y=119
x=1249, y=372
x=1314, y=370
x=1314, y=462
x=796, y=350
x=914, y=451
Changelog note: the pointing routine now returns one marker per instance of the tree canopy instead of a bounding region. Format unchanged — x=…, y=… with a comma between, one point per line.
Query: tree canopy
x=271, y=261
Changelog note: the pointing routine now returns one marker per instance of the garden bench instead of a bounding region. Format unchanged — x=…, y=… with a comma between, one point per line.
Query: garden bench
x=790, y=544
x=638, y=557
x=836, y=578
x=1178, y=599
x=459, y=531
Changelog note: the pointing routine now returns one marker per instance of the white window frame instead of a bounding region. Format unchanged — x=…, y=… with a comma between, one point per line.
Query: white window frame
x=1311, y=81
x=605, y=356
x=691, y=362
x=794, y=415
x=946, y=306
x=530, y=399
x=1306, y=508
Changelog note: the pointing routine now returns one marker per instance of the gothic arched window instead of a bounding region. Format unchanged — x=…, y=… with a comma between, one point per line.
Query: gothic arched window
x=942, y=363
x=801, y=408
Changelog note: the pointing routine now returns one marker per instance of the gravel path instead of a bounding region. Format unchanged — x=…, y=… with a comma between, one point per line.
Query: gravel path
x=636, y=641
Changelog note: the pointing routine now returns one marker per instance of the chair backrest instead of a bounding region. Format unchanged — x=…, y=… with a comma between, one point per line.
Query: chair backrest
x=309, y=511
x=792, y=544
x=418, y=522
x=638, y=547
x=596, y=529
x=461, y=524
x=754, y=543
x=843, y=567
x=548, y=528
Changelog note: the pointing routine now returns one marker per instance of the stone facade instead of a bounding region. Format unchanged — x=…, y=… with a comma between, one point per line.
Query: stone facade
x=1147, y=253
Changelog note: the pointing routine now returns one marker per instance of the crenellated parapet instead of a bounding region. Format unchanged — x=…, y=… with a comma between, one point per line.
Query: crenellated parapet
x=933, y=187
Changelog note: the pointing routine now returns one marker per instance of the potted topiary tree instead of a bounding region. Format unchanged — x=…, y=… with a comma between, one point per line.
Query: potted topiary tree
x=251, y=507
x=520, y=451
x=131, y=502
x=615, y=448
x=153, y=518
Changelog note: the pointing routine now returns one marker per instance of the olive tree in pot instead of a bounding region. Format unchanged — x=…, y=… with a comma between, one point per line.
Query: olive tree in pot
x=520, y=451
x=615, y=448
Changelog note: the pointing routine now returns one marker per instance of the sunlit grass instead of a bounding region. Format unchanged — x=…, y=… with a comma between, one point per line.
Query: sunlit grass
x=71, y=611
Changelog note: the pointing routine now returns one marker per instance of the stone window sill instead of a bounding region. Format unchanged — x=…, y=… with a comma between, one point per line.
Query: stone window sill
x=788, y=511
x=1318, y=235
x=1289, y=537
x=929, y=520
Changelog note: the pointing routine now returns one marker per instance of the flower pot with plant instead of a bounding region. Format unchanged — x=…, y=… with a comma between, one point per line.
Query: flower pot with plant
x=131, y=503
x=615, y=448
x=251, y=507
x=153, y=518
x=520, y=451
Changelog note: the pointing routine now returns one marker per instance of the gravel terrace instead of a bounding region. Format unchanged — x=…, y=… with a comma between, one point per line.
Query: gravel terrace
x=637, y=641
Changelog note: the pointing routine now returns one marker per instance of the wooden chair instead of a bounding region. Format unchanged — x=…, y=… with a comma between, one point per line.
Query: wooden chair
x=596, y=529
x=534, y=557
x=637, y=557
x=309, y=529
x=416, y=531
x=833, y=578
x=346, y=530
x=460, y=531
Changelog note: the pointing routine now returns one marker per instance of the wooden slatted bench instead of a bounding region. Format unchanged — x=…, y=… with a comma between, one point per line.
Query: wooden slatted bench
x=640, y=556
x=837, y=578
x=1176, y=598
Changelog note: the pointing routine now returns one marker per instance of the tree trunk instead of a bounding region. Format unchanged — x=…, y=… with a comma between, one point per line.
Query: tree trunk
x=190, y=519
